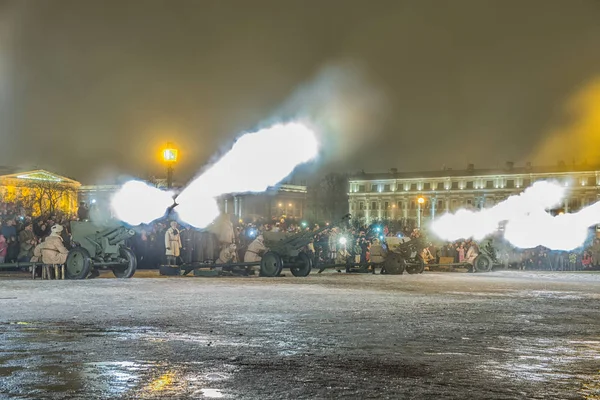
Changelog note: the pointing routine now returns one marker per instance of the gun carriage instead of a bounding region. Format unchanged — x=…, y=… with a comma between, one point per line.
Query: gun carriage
x=100, y=247
x=404, y=254
x=286, y=250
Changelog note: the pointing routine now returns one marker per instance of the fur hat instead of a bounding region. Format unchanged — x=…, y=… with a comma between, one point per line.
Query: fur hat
x=57, y=228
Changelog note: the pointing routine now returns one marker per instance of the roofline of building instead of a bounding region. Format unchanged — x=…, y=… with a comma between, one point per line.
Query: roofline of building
x=472, y=173
x=19, y=173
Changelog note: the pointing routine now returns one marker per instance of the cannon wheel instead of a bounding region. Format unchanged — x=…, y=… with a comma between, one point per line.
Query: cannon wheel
x=270, y=264
x=78, y=264
x=130, y=266
x=416, y=267
x=306, y=265
x=483, y=263
x=394, y=264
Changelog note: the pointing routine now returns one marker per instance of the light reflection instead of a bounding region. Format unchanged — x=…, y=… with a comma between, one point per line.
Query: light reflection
x=550, y=360
x=212, y=393
x=149, y=379
x=161, y=383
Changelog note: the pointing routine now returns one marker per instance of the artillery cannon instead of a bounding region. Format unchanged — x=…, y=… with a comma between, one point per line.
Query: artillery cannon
x=100, y=247
x=404, y=254
x=487, y=258
x=285, y=249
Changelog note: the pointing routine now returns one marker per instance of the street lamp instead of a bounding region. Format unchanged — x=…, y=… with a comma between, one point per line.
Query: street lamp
x=170, y=158
x=420, y=202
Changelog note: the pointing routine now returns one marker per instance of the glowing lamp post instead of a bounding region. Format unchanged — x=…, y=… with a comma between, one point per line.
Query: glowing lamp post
x=420, y=202
x=170, y=158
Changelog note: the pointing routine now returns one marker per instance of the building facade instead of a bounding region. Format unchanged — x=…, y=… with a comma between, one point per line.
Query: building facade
x=39, y=192
x=284, y=201
x=418, y=197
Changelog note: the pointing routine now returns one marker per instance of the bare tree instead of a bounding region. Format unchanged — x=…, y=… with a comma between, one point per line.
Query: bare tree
x=28, y=202
x=46, y=196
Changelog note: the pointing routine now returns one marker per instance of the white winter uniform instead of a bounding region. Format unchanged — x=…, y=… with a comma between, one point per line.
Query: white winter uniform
x=227, y=255
x=172, y=242
x=254, y=249
x=471, y=255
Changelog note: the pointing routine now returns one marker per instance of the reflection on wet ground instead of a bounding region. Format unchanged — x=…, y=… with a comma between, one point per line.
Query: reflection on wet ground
x=32, y=371
x=457, y=343
x=38, y=361
x=556, y=361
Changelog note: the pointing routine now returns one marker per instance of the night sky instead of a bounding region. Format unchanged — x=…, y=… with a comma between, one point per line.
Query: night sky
x=92, y=89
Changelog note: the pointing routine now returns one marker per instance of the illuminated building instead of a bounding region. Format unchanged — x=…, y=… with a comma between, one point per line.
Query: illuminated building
x=101, y=194
x=395, y=196
x=39, y=191
x=283, y=201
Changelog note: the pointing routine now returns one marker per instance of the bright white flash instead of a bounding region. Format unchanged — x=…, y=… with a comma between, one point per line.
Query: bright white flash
x=479, y=224
x=528, y=225
x=564, y=232
x=256, y=161
x=200, y=212
x=137, y=203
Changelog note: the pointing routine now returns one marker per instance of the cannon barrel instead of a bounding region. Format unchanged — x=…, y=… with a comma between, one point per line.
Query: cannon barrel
x=119, y=234
x=303, y=238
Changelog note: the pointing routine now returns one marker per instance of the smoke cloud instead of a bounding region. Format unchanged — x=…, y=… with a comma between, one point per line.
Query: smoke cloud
x=255, y=162
x=528, y=224
x=342, y=105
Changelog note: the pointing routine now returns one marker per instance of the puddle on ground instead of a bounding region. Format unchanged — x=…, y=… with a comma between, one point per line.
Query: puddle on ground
x=140, y=379
x=24, y=369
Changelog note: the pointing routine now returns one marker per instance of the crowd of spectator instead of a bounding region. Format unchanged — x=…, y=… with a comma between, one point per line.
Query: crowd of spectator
x=20, y=233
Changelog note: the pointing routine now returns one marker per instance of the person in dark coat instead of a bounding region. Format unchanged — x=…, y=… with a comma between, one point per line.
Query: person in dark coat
x=211, y=246
x=188, y=245
x=198, y=254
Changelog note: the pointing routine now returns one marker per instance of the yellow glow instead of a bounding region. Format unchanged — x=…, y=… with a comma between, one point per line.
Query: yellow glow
x=280, y=205
x=162, y=382
x=579, y=139
x=170, y=155
x=290, y=204
x=421, y=200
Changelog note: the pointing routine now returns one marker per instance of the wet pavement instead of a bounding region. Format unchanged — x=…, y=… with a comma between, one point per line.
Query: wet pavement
x=504, y=335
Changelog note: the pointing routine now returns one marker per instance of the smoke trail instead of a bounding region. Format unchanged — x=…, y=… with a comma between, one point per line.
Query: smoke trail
x=343, y=106
x=563, y=232
x=479, y=224
x=255, y=162
x=339, y=105
x=528, y=224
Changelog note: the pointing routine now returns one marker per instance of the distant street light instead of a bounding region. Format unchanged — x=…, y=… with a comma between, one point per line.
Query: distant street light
x=170, y=158
x=420, y=201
